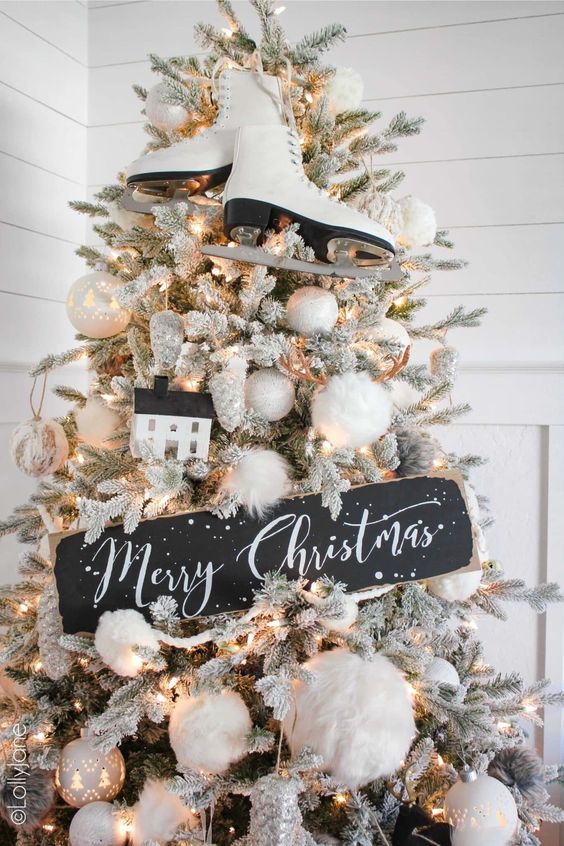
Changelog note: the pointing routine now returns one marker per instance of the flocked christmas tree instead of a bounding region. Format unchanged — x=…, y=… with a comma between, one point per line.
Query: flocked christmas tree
x=317, y=715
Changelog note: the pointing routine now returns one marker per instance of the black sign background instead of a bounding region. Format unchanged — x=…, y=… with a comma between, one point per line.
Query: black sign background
x=396, y=531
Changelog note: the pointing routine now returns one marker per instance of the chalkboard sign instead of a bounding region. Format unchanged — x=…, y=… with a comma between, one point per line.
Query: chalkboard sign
x=397, y=531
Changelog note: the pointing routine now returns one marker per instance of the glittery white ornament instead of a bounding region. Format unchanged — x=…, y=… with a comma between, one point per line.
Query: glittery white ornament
x=167, y=335
x=357, y=715
x=392, y=332
x=95, y=422
x=351, y=410
x=419, y=226
x=92, y=307
x=270, y=393
x=344, y=91
x=443, y=363
x=39, y=447
x=442, y=672
x=455, y=587
x=55, y=659
x=228, y=393
x=209, y=732
x=163, y=115
x=97, y=824
x=86, y=774
x=311, y=311
x=276, y=819
x=480, y=810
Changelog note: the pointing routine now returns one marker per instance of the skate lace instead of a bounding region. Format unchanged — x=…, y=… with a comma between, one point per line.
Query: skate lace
x=297, y=161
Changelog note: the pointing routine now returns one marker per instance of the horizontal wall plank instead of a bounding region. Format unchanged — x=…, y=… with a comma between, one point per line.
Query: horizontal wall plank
x=60, y=146
x=33, y=328
x=34, y=67
x=511, y=398
x=37, y=200
x=16, y=385
x=166, y=27
x=489, y=192
x=36, y=265
x=477, y=124
x=60, y=22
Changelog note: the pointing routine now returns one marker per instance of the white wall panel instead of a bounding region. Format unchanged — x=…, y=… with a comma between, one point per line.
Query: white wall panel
x=31, y=328
x=61, y=23
x=34, y=264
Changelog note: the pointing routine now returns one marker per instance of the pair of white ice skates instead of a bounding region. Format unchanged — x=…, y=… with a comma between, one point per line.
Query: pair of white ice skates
x=257, y=155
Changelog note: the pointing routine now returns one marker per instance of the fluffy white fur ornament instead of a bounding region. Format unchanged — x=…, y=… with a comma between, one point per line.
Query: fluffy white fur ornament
x=351, y=410
x=356, y=714
x=419, y=223
x=381, y=207
x=39, y=447
x=95, y=422
x=157, y=815
x=442, y=672
x=311, y=311
x=455, y=587
x=164, y=115
x=391, y=331
x=118, y=633
x=209, y=732
x=261, y=478
x=270, y=393
x=97, y=824
x=344, y=91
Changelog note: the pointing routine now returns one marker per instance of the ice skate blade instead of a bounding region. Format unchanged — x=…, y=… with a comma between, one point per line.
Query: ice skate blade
x=254, y=255
x=357, y=253
x=150, y=189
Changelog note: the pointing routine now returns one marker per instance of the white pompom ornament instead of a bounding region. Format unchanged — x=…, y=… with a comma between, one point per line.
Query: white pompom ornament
x=270, y=393
x=92, y=307
x=95, y=422
x=455, y=587
x=480, y=810
x=39, y=447
x=351, y=410
x=97, y=824
x=260, y=480
x=117, y=635
x=419, y=226
x=209, y=732
x=392, y=332
x=442, y=672
x=163, y=115
x=157, y=815
x=403, y=394
x=312, y=311
x=356, y=714
x=344, y=91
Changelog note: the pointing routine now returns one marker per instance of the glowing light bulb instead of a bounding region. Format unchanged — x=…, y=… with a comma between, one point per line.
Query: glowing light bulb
x=279, y=10
x=401, y=301
x=340, y=798
x=440, y=760
x=227, y=32
x=231, y=829
x=48, y=827
x=80, y=458
x=37, y=666
x=436, y=812
x=40, y=736
x=503, y=725
x=24, y=607
x=309, y=97
x=161, y=698
x=173, y=682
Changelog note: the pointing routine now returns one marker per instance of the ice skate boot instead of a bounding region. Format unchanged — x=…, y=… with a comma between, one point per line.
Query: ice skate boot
x=197, y=164
x=268, y=189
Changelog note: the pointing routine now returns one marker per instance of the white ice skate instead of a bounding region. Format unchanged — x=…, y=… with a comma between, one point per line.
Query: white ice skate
x=197, y=164
x=268, y=189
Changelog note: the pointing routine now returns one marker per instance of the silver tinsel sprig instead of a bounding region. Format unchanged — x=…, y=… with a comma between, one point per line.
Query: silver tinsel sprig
x=167, y=335
x=55, y=659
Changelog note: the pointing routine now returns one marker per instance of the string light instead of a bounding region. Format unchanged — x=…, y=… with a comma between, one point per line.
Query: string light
x=196, y=227
x=48, y=827
x=437, y=812
x=227, y=32
x=161, y=697
x=503, y=725
x=173, y=682
x=530, y=708
x=326, y=447
x=341, y=798
x=80, y=458
x=37, y=666
x=24, y=607
x=77, y=705
x=440, y=761
x=309, y=97
x=400, y=302
x=40, y=736
x=279, y=10
x=231, y=829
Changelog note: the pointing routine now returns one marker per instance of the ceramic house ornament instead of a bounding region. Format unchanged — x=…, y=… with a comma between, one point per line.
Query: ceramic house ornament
x=174, y=421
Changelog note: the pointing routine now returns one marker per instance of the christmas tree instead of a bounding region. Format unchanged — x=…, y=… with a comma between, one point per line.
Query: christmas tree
x=242, y=353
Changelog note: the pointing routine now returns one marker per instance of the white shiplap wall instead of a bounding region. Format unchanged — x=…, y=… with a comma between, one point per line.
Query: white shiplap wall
x=488, y=77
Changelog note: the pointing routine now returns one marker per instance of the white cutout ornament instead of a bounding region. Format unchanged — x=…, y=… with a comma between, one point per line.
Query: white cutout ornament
x=480, y=810
x=85, y=774
x=92, y=307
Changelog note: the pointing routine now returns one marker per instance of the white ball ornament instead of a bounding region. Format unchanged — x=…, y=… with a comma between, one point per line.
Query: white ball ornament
x=455, y=587
x=344, y=91
x=167, y=116
x=39, y=447
x=95, y=422
x=390, y=331
x=86, y=774
x=97, y=824
x=118, y=634
x=480, y=810
x=209, y=732
x=260, y=480
x=403, y=394
x=92, y=307
x=419, y=224
x=442, y=672
x=356, y=714
x=157, y=815
x=126, y=219
x=312, y=311
x=270, y=393
x=351, y=410
x=348, y=618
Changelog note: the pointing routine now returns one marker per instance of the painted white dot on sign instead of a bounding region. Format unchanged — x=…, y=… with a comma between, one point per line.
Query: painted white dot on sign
x=379, y=575
x=441, y=526
x=227, y=528
x=88, y=569
x=190, y=522
x=396, y=575
x=384, y=516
